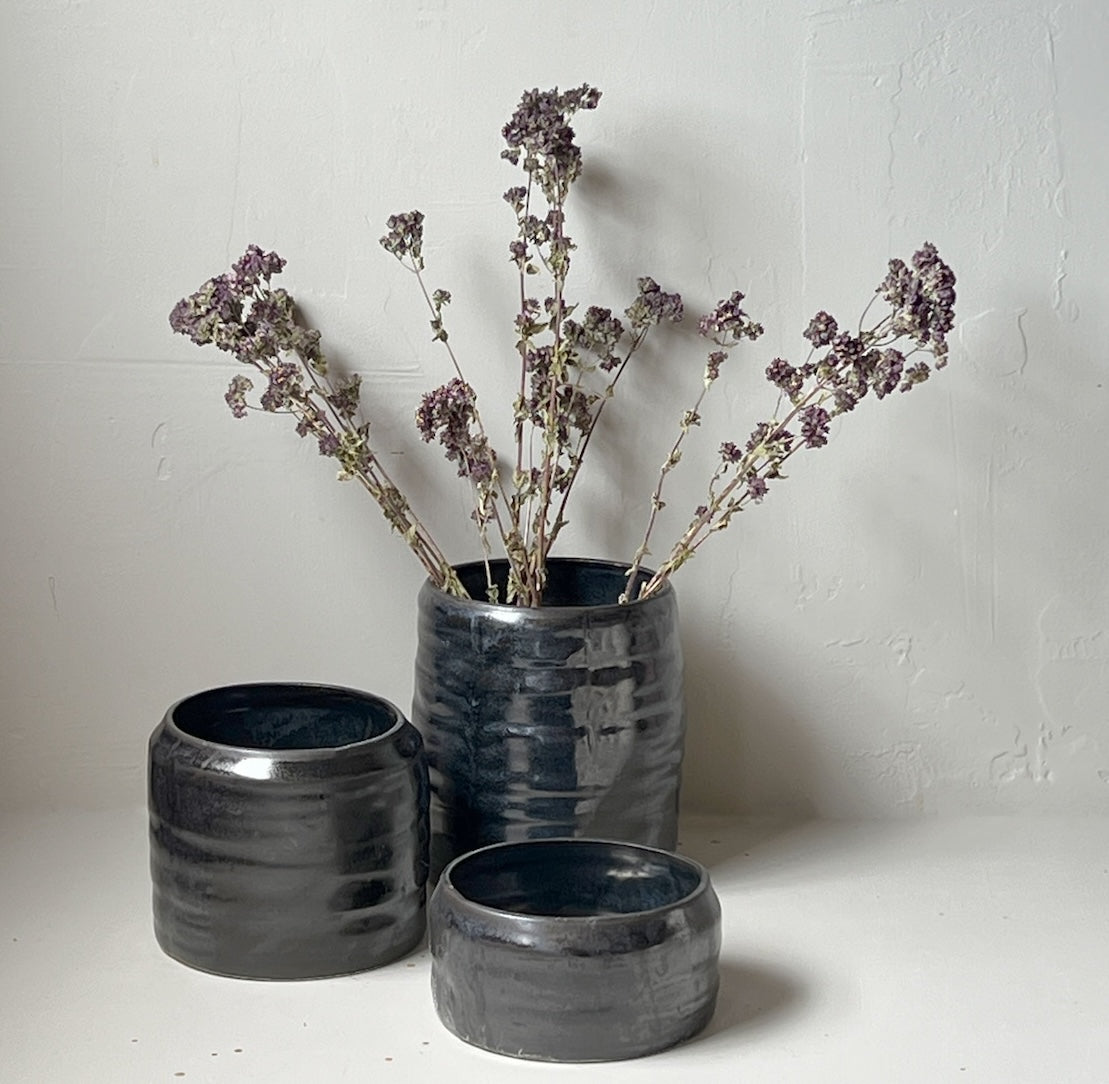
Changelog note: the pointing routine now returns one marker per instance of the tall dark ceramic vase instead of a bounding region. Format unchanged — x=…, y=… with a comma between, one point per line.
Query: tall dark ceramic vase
x=288, y=831
x=565, y=720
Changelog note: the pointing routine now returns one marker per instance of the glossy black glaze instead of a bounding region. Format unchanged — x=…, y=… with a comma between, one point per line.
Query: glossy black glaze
x=574, y=950
x=288, y=831
x=560, y=721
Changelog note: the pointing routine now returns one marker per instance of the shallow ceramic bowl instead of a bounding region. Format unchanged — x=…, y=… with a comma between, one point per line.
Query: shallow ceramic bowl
x=574, y=950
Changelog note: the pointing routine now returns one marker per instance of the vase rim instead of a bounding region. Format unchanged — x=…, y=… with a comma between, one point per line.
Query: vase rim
x=579, y=562
x=477, y=907
x=294, y=754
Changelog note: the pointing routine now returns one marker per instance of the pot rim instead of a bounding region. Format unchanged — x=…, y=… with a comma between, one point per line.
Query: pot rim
x=294, y=754
x=507, y=608
x=459, y=899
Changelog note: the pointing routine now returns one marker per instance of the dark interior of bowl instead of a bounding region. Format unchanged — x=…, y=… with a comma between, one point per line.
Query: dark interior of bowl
x=570, y=582
x=573, y=878
x=284, y=716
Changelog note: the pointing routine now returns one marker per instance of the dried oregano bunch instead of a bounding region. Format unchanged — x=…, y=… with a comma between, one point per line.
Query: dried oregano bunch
x=569, y=364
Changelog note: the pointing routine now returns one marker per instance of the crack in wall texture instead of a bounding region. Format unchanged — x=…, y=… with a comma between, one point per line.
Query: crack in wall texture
x=913, y=623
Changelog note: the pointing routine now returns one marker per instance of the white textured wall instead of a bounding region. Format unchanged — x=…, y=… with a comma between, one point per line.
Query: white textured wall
x=915, y=622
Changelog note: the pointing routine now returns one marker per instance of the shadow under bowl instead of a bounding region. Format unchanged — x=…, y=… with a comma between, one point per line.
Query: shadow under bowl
x=574, y=950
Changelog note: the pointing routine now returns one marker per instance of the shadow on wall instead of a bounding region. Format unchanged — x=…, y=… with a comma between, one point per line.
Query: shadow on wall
x=746, y=748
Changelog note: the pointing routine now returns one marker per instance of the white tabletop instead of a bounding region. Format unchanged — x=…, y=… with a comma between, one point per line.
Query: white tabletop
x=894, y=952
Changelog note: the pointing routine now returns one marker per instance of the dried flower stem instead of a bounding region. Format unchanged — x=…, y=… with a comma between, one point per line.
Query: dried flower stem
x=921, y=311
x=560, y=398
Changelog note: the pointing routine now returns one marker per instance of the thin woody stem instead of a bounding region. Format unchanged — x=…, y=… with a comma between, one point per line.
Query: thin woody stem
x=656, y=498
x=498, y=484
x=583, y=444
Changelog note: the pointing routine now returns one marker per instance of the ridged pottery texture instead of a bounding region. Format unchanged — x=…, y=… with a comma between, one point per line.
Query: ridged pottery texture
x=288, y=831
x=563, y=720
x=574, y=950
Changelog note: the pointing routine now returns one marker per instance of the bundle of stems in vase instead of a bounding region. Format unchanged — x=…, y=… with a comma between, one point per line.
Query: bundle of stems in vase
x=570, y=361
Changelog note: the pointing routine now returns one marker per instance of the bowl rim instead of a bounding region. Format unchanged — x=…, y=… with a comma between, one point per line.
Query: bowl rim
x=308, y=753
x=446, y=885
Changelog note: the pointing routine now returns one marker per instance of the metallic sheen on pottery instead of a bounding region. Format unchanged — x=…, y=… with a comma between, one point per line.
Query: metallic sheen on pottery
x=574, y=950
x=288, y=831
x=560, y=721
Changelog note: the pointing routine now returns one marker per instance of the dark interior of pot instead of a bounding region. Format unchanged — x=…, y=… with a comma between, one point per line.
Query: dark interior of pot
x=573, y=878
x=284, y=716
x=570, y=581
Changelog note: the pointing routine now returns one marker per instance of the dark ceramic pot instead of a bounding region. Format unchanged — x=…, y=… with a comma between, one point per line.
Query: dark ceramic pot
x=559, y=721
x=574, y=950
x=288, y=831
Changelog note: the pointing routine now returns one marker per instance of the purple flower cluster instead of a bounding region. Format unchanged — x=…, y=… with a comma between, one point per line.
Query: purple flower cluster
x=236, y=394
x=821, y=330
x=238, y=313
x=728, y=323
x=923, y=299
x=653, y=305
x=712, y=365
x=256, y=266
x=540, y=132
x=448, y=415
x=241, y=314
x=405, y=236
x=599, y=333
x=785, y=377
x=284, y=388
x=814, y=426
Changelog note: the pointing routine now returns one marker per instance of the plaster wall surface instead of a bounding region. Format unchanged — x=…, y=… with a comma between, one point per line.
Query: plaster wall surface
x=914, y=623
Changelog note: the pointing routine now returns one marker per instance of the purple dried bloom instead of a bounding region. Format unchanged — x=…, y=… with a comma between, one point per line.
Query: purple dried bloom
x=756, y=487
x=212, y=315
x=712, y=365
x=847, y=349
x=447, y=415
x=927, y=257
x=758, y=436
x=181, y=318
x=599, y=333
x=917, y=374
x=814, y=426
x=329, y=444
x=822, y=329
x=538, y=230
x=730, y=452
x=284, y=386
x=729, y=320
x=527, y=319
x=255, y=266
x=784, y=376
x=236, y=395
x=897, y=285
x=516, y=198
x=573, y=410
x=346, y=397
x=540, y=130
x=405, y=236
x=923, y=299
x=887, y=373
x=653, y=305
x=445, y=406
